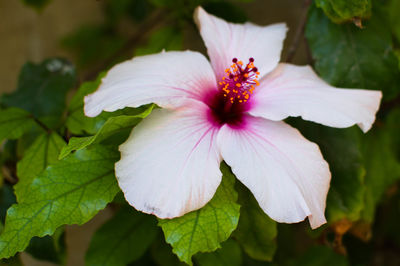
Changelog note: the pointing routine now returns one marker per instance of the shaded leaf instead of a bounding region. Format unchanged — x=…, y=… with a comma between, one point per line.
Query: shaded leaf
x=7, y=198
x=45, y=248
x=226, y=10
x=321, y=255
x=37, y=4
x=256, y=232
x=166, y=38
x=162, y=253
x=42, y=89
x=349, y=57
x=340, y=148
x=393, y=8
x=229, y=254
x=382, y=164
x=93, y=43
x=111, y=127
x=203, y=230
x=122, y=239
x=43, y=152
x=137, y=10
x=71, y=191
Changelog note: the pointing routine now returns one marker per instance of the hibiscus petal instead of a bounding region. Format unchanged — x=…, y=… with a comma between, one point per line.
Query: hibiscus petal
x=297, y=91
x=286, y=173
x=226, y=41
x=170, y=165
x=167, y=79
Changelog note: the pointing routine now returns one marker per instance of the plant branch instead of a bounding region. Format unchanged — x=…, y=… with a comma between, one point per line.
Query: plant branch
x=299, y=32
x=41, y=124
x=148, y=25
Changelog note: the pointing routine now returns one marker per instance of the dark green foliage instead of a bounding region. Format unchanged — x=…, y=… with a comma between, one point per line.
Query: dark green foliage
x=344, y=11
x=256, y=232
x=123, y=239
x=36, y=4
x=93, y=43
x=350, y=57
x=42, y=90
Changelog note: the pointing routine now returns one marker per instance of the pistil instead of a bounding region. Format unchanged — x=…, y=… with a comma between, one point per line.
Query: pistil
x=239, y=82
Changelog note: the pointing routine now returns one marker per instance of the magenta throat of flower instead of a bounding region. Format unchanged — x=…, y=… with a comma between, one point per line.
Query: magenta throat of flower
x=232, y=100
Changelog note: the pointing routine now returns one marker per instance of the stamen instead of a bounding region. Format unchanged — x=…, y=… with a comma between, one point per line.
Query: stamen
x=240, y=81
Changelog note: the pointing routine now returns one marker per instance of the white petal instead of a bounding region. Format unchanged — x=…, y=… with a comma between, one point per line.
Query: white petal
x=225, y=41
x=167, y=79
x=286, y=173
x=170, y=165
x=297, y=91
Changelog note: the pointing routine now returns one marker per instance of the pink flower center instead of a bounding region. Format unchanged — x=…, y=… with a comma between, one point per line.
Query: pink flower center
x=231, y=101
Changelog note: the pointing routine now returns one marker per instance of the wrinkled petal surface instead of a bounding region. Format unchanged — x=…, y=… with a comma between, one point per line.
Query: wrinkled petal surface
x=286, y=173
x=167, y=79
x=297, y=91
x=225, y=41
x=170, y=165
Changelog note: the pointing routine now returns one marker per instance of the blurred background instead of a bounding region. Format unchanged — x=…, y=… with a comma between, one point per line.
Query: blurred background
x=95, y=34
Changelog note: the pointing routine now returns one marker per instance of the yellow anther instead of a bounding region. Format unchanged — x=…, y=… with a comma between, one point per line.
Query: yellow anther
x=238, y=85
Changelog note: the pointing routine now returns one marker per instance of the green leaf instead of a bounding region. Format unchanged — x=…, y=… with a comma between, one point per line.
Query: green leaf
x=79, y=124
x=71, y=191
x=340, y=148
x=349, y=57
x=383, y=167
x=166, y=38
x=256, y=232
x=229, y=254
x=343, y=10
x=113, y=126
x=42, y=89
x=14, y=123
x=37, y=4
x=43, y=152
x=123, y=239
x=203, y=230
